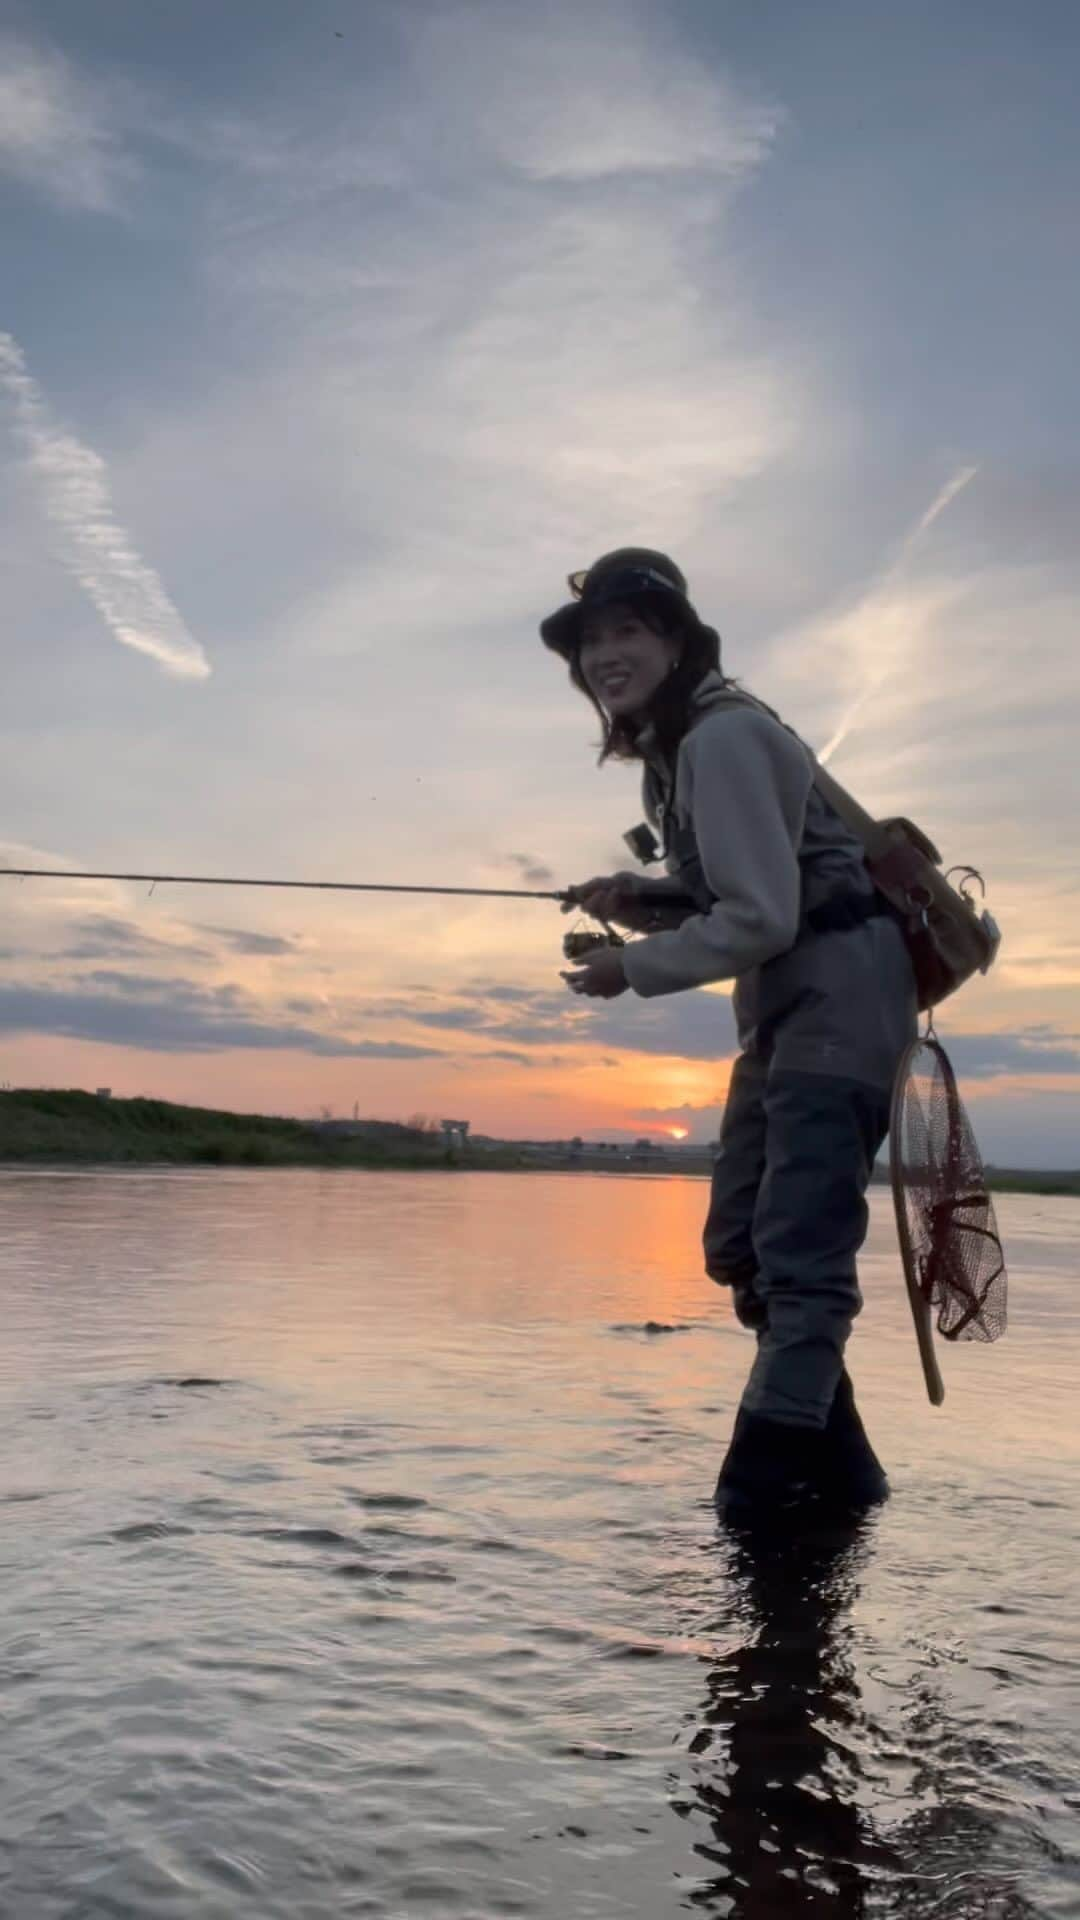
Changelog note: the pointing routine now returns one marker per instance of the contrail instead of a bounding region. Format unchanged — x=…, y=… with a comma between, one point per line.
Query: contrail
x=937, y=507
x=948, y=493
x=75, y=488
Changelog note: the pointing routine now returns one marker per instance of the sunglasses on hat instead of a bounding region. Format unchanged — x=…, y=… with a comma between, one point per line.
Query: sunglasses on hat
x=616, y=585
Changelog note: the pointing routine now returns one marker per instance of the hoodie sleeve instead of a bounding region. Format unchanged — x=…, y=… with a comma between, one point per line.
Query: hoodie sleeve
x=747, y=782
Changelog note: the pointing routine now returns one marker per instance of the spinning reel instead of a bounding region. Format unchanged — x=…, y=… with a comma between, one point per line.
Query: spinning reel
x=581, y=941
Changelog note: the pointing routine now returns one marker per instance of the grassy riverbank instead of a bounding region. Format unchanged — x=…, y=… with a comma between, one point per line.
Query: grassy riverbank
x=50, y=1127
x=1024, y=1180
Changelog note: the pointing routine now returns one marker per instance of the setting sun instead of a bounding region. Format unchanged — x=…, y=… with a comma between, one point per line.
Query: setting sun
x=679, y=1133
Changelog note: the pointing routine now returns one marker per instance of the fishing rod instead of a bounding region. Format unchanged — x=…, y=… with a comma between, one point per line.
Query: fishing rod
x=565, y=897
x=577, y=944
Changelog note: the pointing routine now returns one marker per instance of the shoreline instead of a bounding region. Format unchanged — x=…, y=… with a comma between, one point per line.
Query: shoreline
x=1047, y=1186
x=54, y=1130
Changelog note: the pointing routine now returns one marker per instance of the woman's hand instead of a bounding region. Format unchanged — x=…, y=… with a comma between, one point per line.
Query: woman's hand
x=617, y=898
x=601, y=975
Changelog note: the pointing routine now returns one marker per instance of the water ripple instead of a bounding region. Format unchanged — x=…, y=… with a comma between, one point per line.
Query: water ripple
x=312, y=1609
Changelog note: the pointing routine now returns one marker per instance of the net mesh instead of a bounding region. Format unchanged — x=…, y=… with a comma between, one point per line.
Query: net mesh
x=952, y=1241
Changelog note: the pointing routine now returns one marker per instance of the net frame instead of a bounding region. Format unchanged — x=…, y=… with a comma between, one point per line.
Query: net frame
x=929, y=1254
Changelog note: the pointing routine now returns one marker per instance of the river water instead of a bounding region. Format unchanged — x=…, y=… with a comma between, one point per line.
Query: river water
x=358, y=1559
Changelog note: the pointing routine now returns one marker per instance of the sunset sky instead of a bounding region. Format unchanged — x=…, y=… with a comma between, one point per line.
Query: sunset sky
x=333, y=335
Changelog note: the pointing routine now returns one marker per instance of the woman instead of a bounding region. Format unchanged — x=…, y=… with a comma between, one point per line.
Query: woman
x=767, y=887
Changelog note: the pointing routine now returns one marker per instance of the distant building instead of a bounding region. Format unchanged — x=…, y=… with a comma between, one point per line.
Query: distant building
x=455, y=1133
x=103, y=1093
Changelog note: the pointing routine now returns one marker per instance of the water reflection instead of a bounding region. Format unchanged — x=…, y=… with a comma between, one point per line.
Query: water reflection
x=220, y=1659
x=774, y=1766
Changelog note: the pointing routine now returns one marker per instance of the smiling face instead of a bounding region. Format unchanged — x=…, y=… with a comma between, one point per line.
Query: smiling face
x=623, y=660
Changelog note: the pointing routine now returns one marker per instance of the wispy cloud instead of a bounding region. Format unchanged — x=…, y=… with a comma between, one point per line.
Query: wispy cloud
x=254, y=945
x=1034, y=1052
x=55, y=133
x=172, y=1016
x=589, y=96
x=106, y=937
x=74, y=486
x=687, y=1026
x=535, y=872
x=548, y=354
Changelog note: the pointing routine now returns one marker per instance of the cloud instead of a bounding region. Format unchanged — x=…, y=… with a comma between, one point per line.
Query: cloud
x=687, y=1026
x=165, y=1016
x=558, y=110
x=103, y=937
x=74, y=487
x=686, y=1113
x=557, y=343
x=503, y=994
x=155, y=985
x=691, y=1026
x=1058, y=968
x=463, y=1019
x=982, y=1056
x=56, y=133
x=532, y=870
x=238, y=940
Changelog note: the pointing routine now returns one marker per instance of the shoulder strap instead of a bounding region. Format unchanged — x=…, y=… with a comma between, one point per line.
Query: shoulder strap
x=875, y=837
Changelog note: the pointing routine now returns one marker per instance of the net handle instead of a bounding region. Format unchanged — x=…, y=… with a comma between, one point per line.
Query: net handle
x=920, y=1306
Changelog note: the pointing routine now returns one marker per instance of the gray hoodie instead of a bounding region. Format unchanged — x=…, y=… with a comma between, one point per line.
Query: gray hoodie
x=749, y=836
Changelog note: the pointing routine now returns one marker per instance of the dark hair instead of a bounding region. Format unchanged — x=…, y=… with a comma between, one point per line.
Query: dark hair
x=669, y=708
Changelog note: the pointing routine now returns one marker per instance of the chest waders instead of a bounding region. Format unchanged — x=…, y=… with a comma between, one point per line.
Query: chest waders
x=821, y=1030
